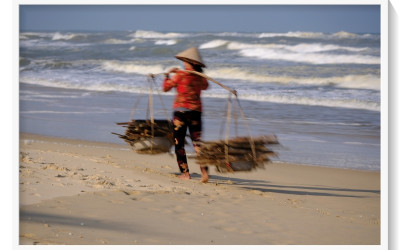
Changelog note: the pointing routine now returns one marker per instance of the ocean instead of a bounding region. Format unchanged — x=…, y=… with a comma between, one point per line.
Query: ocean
x=319, y=93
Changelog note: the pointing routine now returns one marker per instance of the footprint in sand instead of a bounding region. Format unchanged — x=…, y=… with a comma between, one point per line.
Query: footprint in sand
x=24, y=157
x=135, y=192
x=25, y=171
x=104, y=184
x=295, y=203
x=56, y=167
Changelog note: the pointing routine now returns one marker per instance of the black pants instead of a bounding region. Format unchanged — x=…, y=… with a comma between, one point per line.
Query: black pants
x=182, y=121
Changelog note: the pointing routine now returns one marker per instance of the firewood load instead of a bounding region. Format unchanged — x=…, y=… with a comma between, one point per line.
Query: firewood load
x=239, y=154
x=139, y=135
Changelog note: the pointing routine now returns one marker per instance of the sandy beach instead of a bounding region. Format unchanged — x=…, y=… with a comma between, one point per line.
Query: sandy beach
x=90, y=193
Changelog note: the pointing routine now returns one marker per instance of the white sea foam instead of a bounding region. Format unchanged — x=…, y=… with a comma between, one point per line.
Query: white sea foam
x=72, y=84
x=236, y=34
x=300, y=48
x=348, y=81
x=298, y=34
x=357, y=81
x=42, y=63
x=67, y=36
x=165, y=42
x=128, y=67
x=316, y=35
x=344, y=34
x=44, y=44
x=23, y=37
x=118, y=41
x=37, y=34
x=305, y=53
x=351, y=104
x=153, y=34
x=213, y=44
x=311, y=58
x=317, y=47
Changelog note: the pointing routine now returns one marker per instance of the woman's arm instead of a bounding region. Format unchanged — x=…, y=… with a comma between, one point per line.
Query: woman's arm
x=204, y=84
x=170, y=83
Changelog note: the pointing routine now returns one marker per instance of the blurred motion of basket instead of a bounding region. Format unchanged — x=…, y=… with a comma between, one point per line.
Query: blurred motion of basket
x=139, y=135
x=238, y=154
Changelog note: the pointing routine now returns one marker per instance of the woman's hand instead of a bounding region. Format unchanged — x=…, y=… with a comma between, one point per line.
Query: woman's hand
x=173, y=70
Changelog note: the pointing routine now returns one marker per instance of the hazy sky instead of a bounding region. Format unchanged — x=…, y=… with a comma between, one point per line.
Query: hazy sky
x=219, y=18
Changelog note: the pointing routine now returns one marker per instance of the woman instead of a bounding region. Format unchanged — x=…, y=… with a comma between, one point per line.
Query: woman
x=187, y=107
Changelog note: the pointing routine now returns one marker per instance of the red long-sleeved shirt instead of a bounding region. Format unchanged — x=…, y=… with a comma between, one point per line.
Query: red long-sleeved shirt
x=188, y=87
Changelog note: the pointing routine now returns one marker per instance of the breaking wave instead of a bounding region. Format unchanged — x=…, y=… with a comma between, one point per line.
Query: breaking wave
x=153, y=34
x=317, y=35
x=343, y=103
x=165, y=42
x=311, y=58
x=348, y=81
x=261, y=97
x=118, y=41
x=68, y=36
x=301, y=48
x=213, y=44
x=127, y=67
x=301, y=53
x=234, y=73
x=293, y=34
x=353, y=81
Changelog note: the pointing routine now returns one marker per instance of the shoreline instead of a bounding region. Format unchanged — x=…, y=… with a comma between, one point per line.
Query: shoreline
x=82, y=192
x=189, y=155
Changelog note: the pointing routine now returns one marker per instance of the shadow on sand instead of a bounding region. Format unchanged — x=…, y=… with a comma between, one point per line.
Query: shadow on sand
x=266, y=186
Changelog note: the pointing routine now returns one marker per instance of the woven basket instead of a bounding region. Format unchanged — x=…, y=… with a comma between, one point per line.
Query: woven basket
x=162, y=144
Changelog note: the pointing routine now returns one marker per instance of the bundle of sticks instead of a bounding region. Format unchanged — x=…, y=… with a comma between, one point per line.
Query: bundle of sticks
x=145, y=137
x=239, y=154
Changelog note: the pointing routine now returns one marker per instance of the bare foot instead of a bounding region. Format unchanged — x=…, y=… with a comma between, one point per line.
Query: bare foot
x=204, y=172
x=185, y=176
x=204, y=179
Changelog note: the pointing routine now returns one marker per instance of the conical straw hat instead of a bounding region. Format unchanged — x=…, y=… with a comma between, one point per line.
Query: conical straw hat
x=191, y=55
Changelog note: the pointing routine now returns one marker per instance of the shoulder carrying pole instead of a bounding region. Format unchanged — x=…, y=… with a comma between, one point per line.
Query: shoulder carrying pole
x=234, y=92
